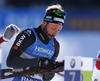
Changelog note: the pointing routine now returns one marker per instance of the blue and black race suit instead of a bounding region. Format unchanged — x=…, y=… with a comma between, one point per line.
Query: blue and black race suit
x=30, y=45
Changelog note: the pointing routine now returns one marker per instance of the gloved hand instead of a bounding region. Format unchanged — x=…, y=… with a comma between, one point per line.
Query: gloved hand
x=45, y=63
x=48, y=77
x=10, y=31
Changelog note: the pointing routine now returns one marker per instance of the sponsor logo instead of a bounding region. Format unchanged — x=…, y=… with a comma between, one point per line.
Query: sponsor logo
x=20, y=40
x=72, y=63
x=15, y=47
x=58, y=19
x=26, y=79
x=42, y=36
x=28, y=32
x=60, y=23
x=48, y=17
x=42, y=50
x=46, y=62
x=81, y=63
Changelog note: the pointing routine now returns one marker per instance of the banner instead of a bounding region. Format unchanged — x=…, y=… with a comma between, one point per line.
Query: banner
x=72, y=68
x=86, y=69
x=78, y=68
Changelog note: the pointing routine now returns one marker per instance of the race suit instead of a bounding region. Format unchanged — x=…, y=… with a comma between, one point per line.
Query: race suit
x=96, y=70
x=1, y=41
x=30, y=45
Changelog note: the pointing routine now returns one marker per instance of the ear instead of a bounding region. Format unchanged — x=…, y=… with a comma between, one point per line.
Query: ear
x=43, y=24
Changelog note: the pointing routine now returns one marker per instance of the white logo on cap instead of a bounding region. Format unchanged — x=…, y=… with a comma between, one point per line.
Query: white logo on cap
x=58, y=19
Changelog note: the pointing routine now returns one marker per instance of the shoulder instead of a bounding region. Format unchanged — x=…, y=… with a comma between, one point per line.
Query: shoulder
x=27, y=32
x=26, y=35
x=56, y=42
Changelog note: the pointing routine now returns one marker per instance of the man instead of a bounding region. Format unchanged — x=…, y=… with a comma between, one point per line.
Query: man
x=9, y=33
x=37, y=47
x=96, y=71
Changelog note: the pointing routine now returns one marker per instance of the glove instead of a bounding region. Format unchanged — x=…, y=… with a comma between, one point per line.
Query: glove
x=59, y=64
x=45, y=63
x=48, y=77
x=10, y=31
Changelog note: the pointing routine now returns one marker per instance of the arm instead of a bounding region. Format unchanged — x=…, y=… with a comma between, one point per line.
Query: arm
x=23, y=40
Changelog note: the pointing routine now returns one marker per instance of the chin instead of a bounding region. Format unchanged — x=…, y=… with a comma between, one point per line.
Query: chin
x=49, y=38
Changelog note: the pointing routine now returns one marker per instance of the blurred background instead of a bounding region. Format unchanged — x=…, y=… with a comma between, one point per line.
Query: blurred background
x=80, y=35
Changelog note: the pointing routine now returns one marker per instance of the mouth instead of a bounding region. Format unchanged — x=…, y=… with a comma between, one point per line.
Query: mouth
x=50, y=36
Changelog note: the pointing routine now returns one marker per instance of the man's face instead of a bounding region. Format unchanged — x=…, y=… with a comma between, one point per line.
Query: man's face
x=51, y=29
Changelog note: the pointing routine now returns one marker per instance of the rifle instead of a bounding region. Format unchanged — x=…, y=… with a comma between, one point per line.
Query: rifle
x=59, y=67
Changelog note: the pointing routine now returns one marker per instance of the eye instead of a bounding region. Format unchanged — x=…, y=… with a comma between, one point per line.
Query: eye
x=53, y=28
x=58, y=30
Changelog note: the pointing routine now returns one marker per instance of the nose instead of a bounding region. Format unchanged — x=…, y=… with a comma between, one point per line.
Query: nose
x=55, y=32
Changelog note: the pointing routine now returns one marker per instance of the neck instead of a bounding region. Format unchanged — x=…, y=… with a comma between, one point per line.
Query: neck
x=42, y=35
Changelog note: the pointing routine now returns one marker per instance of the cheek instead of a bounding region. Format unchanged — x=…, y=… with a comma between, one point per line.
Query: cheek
x=51, y=31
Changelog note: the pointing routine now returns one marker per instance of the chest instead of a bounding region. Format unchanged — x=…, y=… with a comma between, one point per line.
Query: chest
x=39, y=49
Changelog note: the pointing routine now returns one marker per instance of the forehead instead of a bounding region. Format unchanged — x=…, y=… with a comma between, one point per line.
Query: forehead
x=57, y=26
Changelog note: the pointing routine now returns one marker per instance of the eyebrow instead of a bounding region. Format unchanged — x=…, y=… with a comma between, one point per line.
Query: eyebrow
x=56, y=28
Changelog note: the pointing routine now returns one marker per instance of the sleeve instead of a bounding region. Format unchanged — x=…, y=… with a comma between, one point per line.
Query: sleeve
x=23, y=40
